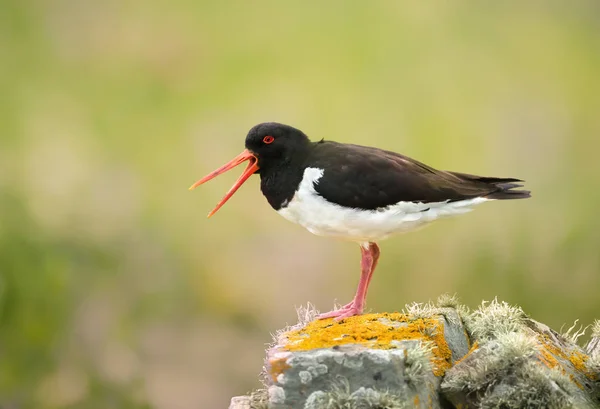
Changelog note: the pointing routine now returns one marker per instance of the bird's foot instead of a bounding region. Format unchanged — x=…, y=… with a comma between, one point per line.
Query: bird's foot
x=349, y=310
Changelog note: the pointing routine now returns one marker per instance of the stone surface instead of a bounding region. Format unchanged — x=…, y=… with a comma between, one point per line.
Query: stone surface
x=370, y=359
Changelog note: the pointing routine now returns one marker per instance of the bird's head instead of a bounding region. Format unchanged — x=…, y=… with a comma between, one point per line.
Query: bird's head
x=267, y=144
x=271, y=143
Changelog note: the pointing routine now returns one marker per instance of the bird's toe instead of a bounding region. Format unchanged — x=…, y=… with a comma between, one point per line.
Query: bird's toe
x=348, y=310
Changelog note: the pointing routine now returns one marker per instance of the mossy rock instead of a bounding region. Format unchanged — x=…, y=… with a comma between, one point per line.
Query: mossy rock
x=517, y=362
x=368, y=360
x=429, y=356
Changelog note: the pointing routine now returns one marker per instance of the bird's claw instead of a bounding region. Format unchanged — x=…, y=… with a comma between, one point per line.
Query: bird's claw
x=348, y=310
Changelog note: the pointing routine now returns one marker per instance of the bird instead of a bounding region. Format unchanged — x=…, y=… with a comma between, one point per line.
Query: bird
x=356, y=193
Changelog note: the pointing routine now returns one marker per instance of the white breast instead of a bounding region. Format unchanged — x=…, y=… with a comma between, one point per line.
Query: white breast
x=323, y=218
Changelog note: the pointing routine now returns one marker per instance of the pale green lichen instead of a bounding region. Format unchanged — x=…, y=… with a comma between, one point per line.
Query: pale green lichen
x=494, y=361
x=504, y=374
x=367, y=398
x=596, y=329
x=493, y=319
x=593, y=349
x=593, y=346
x=259, y=399
x=306, y=314
x=447, y=301
x=339, y=397
x=418, y=361
x=420, y=310
x=536, y=388
x=446, y=306
x=509, y=357
x=574, y=332
x=517, y=345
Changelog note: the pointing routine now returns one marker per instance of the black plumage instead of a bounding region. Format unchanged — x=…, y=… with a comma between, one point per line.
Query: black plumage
x=361, y=177
x=370, y=178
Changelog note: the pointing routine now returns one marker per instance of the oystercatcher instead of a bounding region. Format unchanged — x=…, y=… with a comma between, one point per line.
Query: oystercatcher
x=354, y=192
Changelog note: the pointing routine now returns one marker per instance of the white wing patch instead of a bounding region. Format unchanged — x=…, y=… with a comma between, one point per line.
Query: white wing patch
x=323, y=218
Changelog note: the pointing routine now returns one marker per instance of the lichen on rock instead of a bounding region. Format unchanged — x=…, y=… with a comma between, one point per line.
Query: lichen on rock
x=375, y=331
x=430, y=355
x=380, y=360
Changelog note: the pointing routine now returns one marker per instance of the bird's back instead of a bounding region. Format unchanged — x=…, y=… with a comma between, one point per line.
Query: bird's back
x=370, y=178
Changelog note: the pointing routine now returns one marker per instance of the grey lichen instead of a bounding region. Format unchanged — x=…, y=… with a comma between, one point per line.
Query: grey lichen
x=418, y=310
x=418, y=362
x=259, y=399
x=541, y=389
x=496, y=359
x=524, y=383
x=593, y=347
x=596, y=329
x=493, y=319
x=306, y=314
x=446, y=305
x=516, y=345
x=574, y=332
x=447, y=301
x=317, y=400
x=339, y=397
x=367, y=398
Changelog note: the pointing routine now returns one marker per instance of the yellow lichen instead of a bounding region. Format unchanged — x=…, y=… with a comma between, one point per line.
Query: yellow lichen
x=374, y=331
x=416, y=400
x=277, y=367
x=547, y=358
x=550, y=353
x=575, y=381
x=579, y=361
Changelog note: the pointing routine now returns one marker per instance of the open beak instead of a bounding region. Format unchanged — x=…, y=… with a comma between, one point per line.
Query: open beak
x=249, y=171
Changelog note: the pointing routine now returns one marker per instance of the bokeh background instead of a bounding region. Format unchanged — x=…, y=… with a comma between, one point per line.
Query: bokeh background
x=117, y=292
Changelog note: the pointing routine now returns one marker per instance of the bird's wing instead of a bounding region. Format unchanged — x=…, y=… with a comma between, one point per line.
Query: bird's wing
x=370, y=178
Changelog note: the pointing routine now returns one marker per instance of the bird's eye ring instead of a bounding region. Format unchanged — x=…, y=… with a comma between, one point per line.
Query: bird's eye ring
x=268, y=139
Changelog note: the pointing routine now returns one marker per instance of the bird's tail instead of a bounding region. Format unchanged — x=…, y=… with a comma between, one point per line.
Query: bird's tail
x=504, y=186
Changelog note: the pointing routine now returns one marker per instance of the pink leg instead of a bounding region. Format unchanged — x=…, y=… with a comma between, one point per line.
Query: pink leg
x=374, y=248
x=369, y=258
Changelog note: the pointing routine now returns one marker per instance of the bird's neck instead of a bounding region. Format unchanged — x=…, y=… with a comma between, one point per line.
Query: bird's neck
x=280, y=180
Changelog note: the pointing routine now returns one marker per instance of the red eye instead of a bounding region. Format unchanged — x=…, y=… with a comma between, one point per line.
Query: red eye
x=268, y=139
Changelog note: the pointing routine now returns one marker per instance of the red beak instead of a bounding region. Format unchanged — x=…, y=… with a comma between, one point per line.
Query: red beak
x=249, y=171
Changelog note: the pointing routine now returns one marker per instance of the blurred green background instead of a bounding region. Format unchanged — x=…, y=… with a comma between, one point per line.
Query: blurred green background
x=116, y=292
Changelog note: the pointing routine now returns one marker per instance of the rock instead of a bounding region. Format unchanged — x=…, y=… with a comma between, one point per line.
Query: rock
x=429, y=356
x=517, y=362
x=370, y=360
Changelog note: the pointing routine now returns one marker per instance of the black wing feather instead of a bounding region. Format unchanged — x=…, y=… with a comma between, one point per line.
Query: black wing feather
x=370, y=178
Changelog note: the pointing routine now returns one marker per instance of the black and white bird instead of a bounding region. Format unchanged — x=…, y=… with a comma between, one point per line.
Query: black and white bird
x=353, y=192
